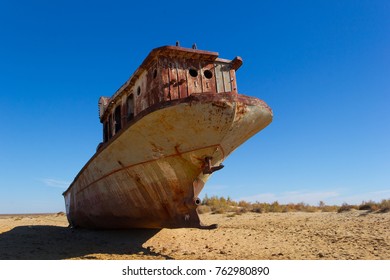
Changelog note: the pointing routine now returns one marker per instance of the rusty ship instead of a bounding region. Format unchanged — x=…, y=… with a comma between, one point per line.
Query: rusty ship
x=165, y=131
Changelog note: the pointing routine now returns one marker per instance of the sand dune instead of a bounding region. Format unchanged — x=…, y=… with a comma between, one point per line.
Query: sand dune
x=296, y=236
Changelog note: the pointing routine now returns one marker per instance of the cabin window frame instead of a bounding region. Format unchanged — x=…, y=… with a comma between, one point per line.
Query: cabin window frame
x=194, y=73
x=109, y=121
x=105, y=132
x=117, y=119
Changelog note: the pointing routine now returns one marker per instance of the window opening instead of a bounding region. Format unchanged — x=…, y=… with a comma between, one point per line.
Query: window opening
x=193, y=72
x=109, y=126
x=105, y=132
x=130, y=107
x=117, y=116
x=208, y=74
x=154, y=73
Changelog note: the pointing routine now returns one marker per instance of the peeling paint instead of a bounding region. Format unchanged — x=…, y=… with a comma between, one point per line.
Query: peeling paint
x=165, y=131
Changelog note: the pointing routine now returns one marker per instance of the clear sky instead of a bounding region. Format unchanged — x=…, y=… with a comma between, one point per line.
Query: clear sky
x=323, y=67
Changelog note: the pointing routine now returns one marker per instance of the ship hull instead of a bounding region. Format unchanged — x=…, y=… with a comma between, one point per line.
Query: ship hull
x=150, y=174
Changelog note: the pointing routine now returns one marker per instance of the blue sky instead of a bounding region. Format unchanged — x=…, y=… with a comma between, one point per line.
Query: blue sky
x=323, y=67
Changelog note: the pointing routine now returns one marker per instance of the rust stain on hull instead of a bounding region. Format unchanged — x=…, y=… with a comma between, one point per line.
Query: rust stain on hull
x=165, y=131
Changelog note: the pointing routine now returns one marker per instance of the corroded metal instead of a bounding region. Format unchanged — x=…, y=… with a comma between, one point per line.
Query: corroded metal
x=165, y=131
x=209, y=169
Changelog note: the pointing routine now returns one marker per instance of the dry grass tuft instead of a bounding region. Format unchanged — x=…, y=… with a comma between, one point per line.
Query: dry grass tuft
x=221, y=205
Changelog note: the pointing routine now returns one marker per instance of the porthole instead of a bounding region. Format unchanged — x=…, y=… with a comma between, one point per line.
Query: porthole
x=138, y=90
x=193, y=72
x=208, y=74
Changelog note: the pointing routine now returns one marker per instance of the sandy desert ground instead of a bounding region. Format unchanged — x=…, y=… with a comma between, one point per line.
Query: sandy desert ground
x=297, y=236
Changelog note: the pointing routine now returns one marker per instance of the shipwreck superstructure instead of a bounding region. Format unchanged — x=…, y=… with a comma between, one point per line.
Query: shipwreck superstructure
x=165, y=130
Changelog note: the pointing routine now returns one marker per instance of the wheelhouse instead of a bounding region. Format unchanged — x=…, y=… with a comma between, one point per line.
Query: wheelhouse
x=167, y=74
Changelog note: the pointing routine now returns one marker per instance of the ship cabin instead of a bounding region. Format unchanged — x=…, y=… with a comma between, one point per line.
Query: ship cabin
x=167, y=74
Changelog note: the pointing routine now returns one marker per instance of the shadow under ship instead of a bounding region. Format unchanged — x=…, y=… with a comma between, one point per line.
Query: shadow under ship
x=171, y=125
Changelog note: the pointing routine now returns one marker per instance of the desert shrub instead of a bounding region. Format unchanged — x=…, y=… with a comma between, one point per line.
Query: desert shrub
x=346, y=207
x=219, y=205
x=290, y=207
x=365, y=207
x=328, y=208
x=311, y=209
x=301, y=207
x=370, y=205
x=257, y=209
x=384, y=210
x=240, y=210
x=275, y=207
x=202, y=209
x=385, y=204
x=245, y=205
